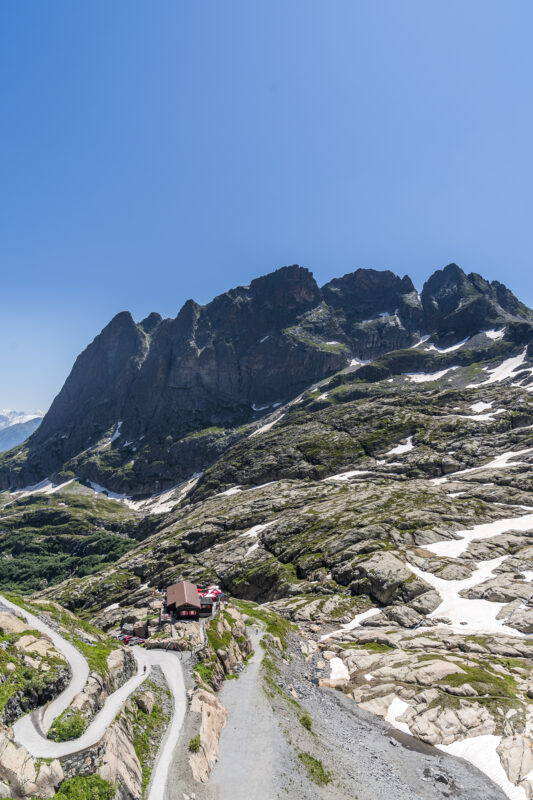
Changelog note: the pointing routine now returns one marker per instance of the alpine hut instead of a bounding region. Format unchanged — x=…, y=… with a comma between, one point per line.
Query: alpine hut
x=183, y=600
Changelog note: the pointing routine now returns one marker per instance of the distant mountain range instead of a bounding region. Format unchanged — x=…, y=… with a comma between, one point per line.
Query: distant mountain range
x=147, y=404
x=16, y=426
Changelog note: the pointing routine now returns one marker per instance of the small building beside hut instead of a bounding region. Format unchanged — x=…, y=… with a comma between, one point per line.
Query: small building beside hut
x=183, y=601
x=207, y=601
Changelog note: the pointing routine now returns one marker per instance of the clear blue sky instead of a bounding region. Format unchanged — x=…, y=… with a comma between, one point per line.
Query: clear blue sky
x=151, y=152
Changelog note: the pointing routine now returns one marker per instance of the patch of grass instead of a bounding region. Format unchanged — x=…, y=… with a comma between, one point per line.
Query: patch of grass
x=273, y=623
x=206, y=671
x=91, y=787
x=70, y=725
x=147, y=727
x=195, y=744
x=378, y=647
x=218, y=641
x=306, y=720
x=315, y=769
x=483, y=681
x=270, y=672
x=30, y=682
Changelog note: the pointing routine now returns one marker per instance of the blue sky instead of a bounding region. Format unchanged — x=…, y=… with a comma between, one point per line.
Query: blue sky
x=152, y=152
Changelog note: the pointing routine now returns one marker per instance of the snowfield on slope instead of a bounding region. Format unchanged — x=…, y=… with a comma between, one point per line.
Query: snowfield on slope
x=455, y=547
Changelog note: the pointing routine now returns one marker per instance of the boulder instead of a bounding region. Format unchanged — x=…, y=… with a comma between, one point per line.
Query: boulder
x=32, y=644
x=22, y=776
x=121, y=665
x=385, y=578
x=213, y=718
x=92, y=698
x=120, y=764
x=444, y=726
x=404, y=616
x=427, y=602
x=146, y=702
x=516, y=755
x=10, y=623
x=433, y=671
x=522, y=620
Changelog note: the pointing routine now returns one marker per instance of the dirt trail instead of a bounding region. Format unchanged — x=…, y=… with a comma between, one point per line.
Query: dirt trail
x=250, y=746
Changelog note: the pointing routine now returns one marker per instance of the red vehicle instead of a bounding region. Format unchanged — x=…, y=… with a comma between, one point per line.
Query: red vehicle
x=133, y=640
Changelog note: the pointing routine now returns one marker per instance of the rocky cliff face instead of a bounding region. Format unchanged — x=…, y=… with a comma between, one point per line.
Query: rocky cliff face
x=148, y=404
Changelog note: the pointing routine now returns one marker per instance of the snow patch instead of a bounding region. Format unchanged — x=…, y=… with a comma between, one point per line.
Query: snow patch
x=481, y=751
x=395, y=710
x=339, y=670
x=43, y=487
x=229, y=492
x=423, y=377
x=112, y=495
x=449, y=349
x=502, y=461
x=422, y=341
x=495, y=335
x=116, y=432
x=472, y=616
x=477, y=408
x=402, y=448
x=266, y=427
x=354, y=623
x=256, y=530
x=163, y=502
x=456, y=547
x=345, y=476
x=251, y=549
x=504, y=371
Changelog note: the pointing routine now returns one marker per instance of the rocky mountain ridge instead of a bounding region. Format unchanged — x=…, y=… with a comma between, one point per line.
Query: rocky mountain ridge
x=385, y=509
x=146, y=405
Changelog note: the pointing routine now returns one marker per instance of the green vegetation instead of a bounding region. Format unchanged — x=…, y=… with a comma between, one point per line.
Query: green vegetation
x=19, y=677
x=92, y=642
x=484, y=681
x=47, y=538
x=271, y=672
x=206, y=670
x=195, y=744
x=315, y=769
x=91, y=787
x=148, y=730
x=273, y=623
x=306, y=720
x=377, y=647
x=70, y=725
x=217, y=640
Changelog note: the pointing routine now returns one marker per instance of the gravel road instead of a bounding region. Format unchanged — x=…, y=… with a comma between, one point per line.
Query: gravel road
x=251, y=744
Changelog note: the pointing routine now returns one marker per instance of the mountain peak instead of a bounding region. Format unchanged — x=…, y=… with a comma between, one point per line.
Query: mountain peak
x=212, y=366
